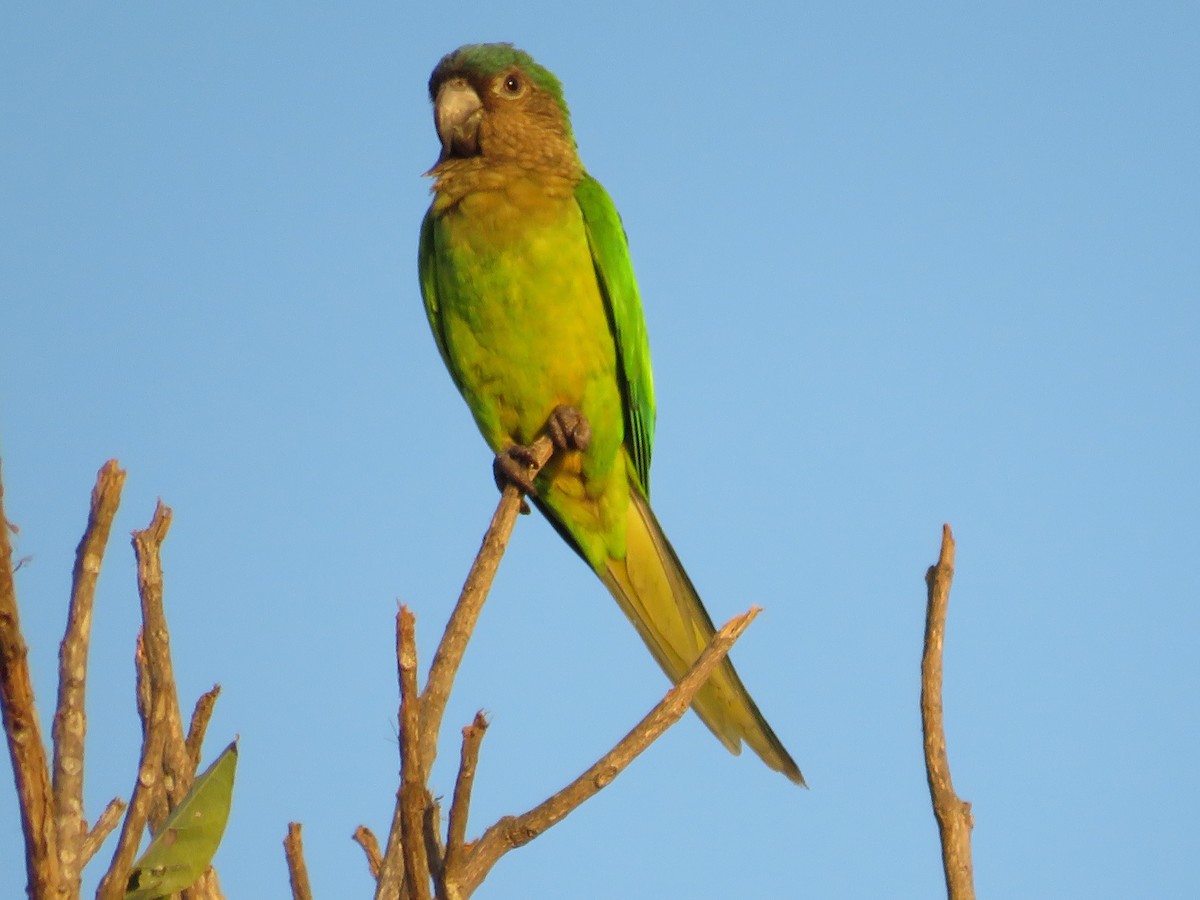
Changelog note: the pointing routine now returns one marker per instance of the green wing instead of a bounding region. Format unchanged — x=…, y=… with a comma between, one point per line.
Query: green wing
x=427, y=267
x=610, y=256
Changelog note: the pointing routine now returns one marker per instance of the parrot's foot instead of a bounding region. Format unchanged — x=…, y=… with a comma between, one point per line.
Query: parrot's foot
x=512, y=466
x=569, y=428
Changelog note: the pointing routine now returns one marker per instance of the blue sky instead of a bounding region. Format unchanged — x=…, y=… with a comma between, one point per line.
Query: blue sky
x=900, y=267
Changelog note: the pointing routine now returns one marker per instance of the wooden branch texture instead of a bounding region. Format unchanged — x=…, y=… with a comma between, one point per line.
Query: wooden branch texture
x=70, y=719
x=413, y=800
x=953, y=815
x=365, y=838
x=31, y=770
x=414, y=855
x=293, y=848
x=177, y=766
x=59, y=843
x=470, y=603
x=516, y=831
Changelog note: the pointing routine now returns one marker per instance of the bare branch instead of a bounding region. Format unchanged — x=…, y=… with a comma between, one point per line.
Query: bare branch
x=142, y=687
x=366, y=839
x=70, y=718
x=178, y=769
x=297, y=871
x=470, y=603
x=109, y=819
x=158, y=807
x=30, y=767
x=412, y=776
x=201, y=715
x=953, y=815
x=112, y=885
x=389, y=879
x=516, y=831
x=158, y=705
x=460, y=806
x=435, y=850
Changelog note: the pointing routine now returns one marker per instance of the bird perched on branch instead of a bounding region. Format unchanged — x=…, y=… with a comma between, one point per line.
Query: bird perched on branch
x=531, y=296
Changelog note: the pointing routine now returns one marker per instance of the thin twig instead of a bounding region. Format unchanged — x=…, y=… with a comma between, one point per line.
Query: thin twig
x=158, y=704
x=953, y=815
x=158, y=807
x=435, y=849
x=389, y=879
x=109, y=819
x=460, y=806
x=405, y=856
x=412, y=774
x=293, y=848
x=178, y=769
x=201, y=715
x=516, y=831
x=112, y=885
x=30, y=767
x=177, y=764
x=366, y=839
x=70, y=718
x=458, y=631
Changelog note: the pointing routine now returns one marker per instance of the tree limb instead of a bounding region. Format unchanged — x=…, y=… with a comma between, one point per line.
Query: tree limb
x=70, y=718
x=30, y=767
x=58, y=841
x=366, y=839
x=112, y=885
x=389, y=873
x=516, y=831
x=156, y=696
x=293, y=848
x=435, y=849
x=198, y=727
x=458, y=631
x=412, y=777
x=460, y=806
x=414, y=852
x=109, y=819
x=167, y=769
x=953, y=815
x=177, y=766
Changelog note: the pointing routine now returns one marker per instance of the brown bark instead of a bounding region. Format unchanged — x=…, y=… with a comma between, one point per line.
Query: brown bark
x=953, y=815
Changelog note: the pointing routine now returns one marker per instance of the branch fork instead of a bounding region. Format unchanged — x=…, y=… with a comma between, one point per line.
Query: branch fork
x=58, y=840
x=416, y=856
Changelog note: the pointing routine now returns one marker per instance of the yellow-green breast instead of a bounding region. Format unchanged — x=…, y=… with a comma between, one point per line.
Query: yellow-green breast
x=526, y=329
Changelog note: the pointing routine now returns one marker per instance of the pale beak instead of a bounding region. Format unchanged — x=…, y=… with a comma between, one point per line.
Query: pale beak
x=457, y=112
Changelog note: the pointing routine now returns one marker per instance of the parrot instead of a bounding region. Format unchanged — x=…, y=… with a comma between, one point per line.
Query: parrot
x=526, y=278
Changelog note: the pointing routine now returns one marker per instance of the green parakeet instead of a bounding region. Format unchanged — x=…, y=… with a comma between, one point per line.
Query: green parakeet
x=531, y=296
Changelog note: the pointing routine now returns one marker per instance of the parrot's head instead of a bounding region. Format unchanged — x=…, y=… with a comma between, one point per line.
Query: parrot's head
x=493, y=103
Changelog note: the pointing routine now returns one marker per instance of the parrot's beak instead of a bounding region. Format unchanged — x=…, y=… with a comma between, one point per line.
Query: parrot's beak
x=457, y=111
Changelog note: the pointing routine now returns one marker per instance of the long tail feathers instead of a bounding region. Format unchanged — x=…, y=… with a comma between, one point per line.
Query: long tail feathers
x=656, y=594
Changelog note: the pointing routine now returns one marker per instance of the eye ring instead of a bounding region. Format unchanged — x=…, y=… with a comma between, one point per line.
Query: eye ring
x=512, y=85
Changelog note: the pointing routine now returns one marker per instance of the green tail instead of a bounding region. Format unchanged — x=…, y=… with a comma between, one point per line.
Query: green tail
x=654, y=591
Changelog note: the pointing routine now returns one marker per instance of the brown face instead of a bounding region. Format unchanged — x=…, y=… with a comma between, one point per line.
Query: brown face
x=505, y=117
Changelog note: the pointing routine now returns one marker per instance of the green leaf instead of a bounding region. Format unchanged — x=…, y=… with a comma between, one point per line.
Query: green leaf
x=183, y=848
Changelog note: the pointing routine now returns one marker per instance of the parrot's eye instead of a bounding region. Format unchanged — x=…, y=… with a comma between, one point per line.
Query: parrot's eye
x=513, y=85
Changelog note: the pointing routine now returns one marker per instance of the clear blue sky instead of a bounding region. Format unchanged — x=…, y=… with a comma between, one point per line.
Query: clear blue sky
x=900, y=266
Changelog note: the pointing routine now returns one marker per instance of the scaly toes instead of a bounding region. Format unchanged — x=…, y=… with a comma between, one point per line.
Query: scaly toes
x=512, y=466
x=569, y=428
